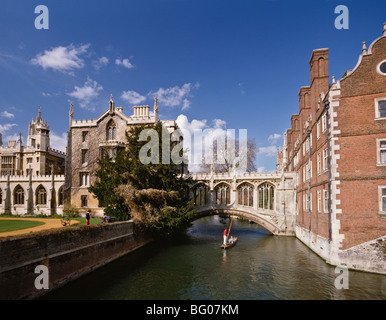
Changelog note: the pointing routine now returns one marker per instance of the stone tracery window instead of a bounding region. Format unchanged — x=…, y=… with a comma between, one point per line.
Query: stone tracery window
x=222, y=192
x=245, y=195
x=111, y=130
x=201, y=195
x=266, y=196
x=41, y=196
x=18, y=195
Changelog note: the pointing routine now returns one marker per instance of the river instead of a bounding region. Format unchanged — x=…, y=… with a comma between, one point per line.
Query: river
x=193, y=266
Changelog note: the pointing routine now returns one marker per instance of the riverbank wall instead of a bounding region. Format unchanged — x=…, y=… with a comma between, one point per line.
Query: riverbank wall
x=33, y=264
x=368, y=257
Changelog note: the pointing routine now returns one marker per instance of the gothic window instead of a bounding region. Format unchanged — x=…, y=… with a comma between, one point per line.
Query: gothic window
x=266, y=196
x=18, y=195
x=60, y=196
x=83, y=201
x=111, y=130
x=85, y=179
x=201, y=195
x=84, y=136
x=223, y=194
x=245, y=195
x=41, y=196
x=84, y=156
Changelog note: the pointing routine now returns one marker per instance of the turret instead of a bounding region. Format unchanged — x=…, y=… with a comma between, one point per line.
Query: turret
x=38, y=134
x=71, y=114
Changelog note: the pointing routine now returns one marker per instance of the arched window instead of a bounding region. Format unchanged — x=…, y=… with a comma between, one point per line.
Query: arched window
x=41, y=196
x=60, y=196
x=245, y=195
x=266, y=196
x=18, y=195
x=223, y=195
x=111, y=130
x=201, y=195
x=1, y=196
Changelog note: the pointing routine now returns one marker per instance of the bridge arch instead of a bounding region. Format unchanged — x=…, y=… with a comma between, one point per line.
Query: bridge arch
x=265, y=198
x=265, y=223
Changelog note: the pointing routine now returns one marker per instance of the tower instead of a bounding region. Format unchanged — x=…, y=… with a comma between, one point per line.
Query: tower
x=38, y=133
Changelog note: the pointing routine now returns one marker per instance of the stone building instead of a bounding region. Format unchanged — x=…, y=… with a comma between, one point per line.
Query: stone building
x=337, y=146
x=32, y=176
x=88, y=140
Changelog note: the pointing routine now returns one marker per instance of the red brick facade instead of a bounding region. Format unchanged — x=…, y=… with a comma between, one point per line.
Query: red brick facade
x=341, y=174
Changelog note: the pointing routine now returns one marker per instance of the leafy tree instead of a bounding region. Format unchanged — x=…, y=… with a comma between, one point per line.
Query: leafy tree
x=154, y=195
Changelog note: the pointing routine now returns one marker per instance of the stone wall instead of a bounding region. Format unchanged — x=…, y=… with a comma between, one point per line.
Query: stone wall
x=368, y=257
x=67, y=253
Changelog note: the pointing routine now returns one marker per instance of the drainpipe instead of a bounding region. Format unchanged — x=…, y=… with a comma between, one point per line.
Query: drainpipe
x=326, y=106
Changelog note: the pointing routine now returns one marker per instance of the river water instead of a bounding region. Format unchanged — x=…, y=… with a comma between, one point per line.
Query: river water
x=193, y=266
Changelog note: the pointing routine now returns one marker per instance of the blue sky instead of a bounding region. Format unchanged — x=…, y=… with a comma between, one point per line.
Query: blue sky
x=220, y=64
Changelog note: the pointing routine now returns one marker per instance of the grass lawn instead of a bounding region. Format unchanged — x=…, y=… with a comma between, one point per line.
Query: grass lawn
x=83, y=221
x=11, y=225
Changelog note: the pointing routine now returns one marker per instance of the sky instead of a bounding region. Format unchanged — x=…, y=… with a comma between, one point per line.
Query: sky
x=212, y=64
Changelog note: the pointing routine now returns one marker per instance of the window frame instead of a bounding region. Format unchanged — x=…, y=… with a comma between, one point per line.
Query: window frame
x=325, y=200
x=376, y=106
x=379, y=149
x=319, y=200
x=380, y=200
x=379, y=68
x=325, y=159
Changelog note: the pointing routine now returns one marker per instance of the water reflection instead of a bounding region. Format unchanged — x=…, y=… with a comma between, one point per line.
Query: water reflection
x=193, y=266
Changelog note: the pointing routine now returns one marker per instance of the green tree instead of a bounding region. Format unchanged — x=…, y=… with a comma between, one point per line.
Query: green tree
x=154, y=195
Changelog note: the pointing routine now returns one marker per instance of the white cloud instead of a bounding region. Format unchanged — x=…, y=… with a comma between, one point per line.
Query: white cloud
x=46, y=94
x=6, y=127
x=58, y=142
x=218, y=123
x=99, y=63
x=124, y=62
x=86, y=94
x=261, y=169
x=132, y=97
x=268, y=151
x=64, y=59
x=8, y=115
x=273, y=138
x=175, y=96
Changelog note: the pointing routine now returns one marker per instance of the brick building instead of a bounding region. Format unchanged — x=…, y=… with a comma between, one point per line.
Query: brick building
x=337, y=146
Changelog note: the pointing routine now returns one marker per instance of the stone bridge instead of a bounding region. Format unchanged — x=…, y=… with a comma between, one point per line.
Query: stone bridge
x=265, y=198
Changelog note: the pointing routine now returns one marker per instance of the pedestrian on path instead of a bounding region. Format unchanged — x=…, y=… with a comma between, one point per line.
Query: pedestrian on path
x=88, y=217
